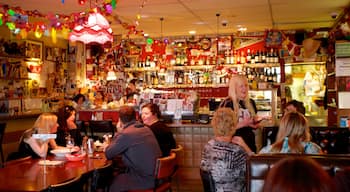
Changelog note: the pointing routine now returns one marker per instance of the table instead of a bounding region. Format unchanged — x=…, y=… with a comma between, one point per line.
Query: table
x=29, y=175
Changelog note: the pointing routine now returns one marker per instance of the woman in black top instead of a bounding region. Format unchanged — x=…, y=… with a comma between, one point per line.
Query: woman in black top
x=244, y=107
x=67, y=126
x=150, y=117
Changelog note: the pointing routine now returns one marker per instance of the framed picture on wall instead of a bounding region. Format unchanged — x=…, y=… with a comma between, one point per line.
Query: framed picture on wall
x=34, y=49
x=273, y=38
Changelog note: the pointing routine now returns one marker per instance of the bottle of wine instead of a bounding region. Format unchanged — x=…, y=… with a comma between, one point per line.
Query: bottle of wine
x=249, y=56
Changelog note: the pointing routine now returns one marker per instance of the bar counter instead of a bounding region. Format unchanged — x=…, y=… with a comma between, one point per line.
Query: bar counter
x=192, y=137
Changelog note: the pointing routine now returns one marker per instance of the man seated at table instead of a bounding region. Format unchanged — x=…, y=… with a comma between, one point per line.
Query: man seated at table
x=139, y=150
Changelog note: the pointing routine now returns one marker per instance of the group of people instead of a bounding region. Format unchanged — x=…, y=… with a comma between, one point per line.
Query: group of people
x=137, y=142
x=234, y=122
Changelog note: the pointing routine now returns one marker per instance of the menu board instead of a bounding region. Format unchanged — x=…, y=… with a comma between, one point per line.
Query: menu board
x=342, y=49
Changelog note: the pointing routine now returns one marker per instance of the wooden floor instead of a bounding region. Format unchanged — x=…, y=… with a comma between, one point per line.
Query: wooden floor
x=187, y=180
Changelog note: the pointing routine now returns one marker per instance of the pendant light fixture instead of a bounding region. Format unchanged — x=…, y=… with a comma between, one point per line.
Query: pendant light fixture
x=95, y=29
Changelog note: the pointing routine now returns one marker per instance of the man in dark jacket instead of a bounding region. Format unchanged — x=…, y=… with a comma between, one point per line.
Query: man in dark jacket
x=139, y=150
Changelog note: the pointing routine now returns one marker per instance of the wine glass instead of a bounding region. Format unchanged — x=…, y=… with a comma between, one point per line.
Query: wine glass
x=70, y=143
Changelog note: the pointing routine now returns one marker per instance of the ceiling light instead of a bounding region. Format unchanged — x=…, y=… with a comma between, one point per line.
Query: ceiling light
x=192, y=32
x=96, y=29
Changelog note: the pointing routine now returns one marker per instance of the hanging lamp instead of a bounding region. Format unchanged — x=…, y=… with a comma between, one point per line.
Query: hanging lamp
x=96, y=29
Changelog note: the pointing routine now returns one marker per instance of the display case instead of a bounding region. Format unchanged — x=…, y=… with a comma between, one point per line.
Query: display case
x=305, y=82
x=266, y=101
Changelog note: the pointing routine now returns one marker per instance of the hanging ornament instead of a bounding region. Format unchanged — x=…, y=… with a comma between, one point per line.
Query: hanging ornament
x=38, y=32
x=1, y=22
x=11, y=12
x=11, y=25
x=54, y=35
x=62, y=1
x=81, y=2
x=65, y=32
x=23, y=34
x=109, y=8
x=149, y=41
x=114, y=4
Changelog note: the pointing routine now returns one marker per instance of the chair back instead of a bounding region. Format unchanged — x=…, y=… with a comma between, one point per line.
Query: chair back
x=166, y=167
x=2, y=132
x=207, y=181
x=102, y=177
x=103, y=126
x=74, y=184
x=178, y=151
x=15, y=161
x=259, y=165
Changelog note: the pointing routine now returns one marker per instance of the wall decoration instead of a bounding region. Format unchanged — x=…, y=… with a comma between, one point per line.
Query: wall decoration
x=273, y=39
x=34, y=49
x=55, y=54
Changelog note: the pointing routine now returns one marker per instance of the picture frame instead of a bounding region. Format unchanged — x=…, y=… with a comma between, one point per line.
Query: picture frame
x=34, y=49
x=273, y=38
x=55, y=54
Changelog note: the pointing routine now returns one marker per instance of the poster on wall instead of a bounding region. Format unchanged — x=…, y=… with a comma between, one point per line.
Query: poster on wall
x=342, y=67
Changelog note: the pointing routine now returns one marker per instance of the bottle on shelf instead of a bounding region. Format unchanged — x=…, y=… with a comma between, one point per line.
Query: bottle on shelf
x=249, y=56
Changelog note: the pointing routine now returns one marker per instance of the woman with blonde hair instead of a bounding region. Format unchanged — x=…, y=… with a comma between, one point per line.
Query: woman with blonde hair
x=45, y=123
x=244, y=107
x=293, y=136
x=222, y=157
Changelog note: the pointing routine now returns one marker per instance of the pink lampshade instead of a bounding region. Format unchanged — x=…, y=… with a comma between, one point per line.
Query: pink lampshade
x=96, y=29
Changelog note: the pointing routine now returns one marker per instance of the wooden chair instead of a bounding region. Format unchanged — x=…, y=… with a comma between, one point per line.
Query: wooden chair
x=104, y=126
x=179, y=158
x=165, y=169
x=74, y=184
x=2, y=132
x=102, y=177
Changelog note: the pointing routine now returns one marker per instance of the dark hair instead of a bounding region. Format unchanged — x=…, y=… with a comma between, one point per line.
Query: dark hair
x=298, y=105
x=299, y=174
x=133, y=81
x=63, y=114
x=153, y=108
x=78, y=96
x=127, y=114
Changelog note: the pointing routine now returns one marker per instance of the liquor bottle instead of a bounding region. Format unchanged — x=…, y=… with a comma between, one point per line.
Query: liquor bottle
x=147, y=62
x=263, y=57
x=232, y=58
x=269, y=77
x=238, y=58
x=249, y=56
x=274, y=75
x=243, y=58
x=256, y=57
x=275, y=57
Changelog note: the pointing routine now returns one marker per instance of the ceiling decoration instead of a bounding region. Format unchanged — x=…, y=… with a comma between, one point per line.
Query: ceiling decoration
x=96, y=29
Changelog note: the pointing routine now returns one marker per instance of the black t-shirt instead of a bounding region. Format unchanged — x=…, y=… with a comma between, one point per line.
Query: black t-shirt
x=164, y=137
x=246, y=133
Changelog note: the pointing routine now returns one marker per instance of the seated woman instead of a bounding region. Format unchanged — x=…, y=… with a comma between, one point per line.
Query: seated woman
x=150, y=117
x=222, y=157
x=46, y=123
x=67, y=127
x=78, y=101
x=293, y=136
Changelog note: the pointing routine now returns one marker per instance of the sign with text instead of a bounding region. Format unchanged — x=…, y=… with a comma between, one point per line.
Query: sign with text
x=342, y=67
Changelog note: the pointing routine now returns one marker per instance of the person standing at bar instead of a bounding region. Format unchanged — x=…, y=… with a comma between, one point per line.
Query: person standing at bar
x=238, y=100
x=150, y=117
x=139, y=150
